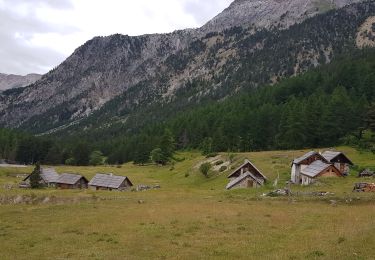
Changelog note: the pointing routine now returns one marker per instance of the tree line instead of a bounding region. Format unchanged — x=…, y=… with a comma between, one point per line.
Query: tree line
x=326, y=106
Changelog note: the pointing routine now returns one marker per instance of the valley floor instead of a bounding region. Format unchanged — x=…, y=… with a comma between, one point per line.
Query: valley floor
x=189, y=217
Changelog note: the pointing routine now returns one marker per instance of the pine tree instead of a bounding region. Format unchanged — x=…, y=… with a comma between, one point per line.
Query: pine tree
x=167, y=146
x=35, y=177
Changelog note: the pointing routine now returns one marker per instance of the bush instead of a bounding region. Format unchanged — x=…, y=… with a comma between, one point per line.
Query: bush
x=223, y=168
x=205, y=168
x=210, y=155
x=219, y=162
x=70, y=161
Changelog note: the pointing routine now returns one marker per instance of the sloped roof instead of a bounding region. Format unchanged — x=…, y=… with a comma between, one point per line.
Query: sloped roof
x=304, y=157
x=69, y=178
x=242, y=165
x=108, y=181
x=315, y=168
x=241, y=178
x=330, y=155
x=49, y=175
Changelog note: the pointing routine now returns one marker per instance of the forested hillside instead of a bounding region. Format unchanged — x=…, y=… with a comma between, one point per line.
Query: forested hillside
x=326, y=106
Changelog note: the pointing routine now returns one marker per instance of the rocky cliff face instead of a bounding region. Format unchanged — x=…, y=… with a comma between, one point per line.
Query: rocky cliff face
x=121, y=75
x=17, y=81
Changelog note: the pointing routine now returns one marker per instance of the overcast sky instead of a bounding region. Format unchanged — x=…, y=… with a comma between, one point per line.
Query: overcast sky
x=37, y=35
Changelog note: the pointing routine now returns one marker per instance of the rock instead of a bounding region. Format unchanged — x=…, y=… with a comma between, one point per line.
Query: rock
x=333, y=202
x=18, y=199
x=46, y=200
x=141, y=201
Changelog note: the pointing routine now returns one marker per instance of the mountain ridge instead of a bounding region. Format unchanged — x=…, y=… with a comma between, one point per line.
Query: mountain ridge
x=144, y=69
x=9, y=81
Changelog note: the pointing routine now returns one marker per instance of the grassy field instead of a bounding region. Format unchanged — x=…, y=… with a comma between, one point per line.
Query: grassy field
x=191, y=216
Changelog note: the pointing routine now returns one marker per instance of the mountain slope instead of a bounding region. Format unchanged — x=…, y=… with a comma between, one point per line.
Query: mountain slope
x=17, y=81
x=112, y=79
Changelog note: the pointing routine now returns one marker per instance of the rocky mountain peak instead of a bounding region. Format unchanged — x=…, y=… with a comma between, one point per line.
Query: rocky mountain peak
x=271, y=13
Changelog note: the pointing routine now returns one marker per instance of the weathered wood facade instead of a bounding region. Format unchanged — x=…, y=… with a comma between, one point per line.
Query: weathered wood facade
x=340, y=160
x=302, y=162
x=246, y=176
x=311, y=166
x=71, y=181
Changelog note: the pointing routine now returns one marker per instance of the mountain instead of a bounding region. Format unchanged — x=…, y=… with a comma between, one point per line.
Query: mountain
x=17, y=81
x=131, y=80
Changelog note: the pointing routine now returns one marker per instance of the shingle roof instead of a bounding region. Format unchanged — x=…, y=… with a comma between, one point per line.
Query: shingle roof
x=107, y=180
x=242, y=165
x=68, y=178
x=330, y=155
x=315, y=168
x=49, y=175
x=304, y=157
x=241, y=178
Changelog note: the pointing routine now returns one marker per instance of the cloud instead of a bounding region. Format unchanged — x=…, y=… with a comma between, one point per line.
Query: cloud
x=37, y=35
x=203, y=11
x=19, y=23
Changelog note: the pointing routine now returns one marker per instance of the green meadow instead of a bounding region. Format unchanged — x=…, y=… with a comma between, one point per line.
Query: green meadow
x=191, y=216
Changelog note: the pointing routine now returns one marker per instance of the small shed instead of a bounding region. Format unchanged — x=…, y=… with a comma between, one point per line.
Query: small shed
x=246, y=176
x=318, y=169
x=71, y=181
x=109, y=182
x=48, y=176
x=339, y=159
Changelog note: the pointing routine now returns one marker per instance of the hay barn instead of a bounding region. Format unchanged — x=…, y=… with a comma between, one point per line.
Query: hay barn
x=110, y=182
x=71, y=181
x=246, y=176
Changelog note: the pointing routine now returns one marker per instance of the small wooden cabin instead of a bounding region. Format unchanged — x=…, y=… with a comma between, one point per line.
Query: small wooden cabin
x=48, y=176
x=246, y=176
x=302, y=162
x=110, y=182
x=318, y=169
x=71, y=181
x=339, y=159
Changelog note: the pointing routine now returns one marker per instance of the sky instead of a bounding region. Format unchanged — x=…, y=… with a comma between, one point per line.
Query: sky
x=37, y=35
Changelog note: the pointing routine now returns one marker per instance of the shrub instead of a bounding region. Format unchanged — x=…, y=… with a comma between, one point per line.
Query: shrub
x=35, y=177
x=205, y=168
x=210, y=155
x=223, y=168
x=219, y=162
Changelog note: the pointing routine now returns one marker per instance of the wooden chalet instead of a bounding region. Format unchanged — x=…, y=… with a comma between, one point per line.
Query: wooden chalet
x=246, y=176
x=339, y=159
x=48, y=176
x=71, y=181
x=110, y=182
x=302, y=162
x=318, y=169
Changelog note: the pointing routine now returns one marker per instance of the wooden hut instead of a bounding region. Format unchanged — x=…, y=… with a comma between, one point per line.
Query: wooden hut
x=318, y=169
x=110, y=182
x=71, y=181
x=48, y=176
x=246, y=176
x=302, y=162
x=339, y=159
